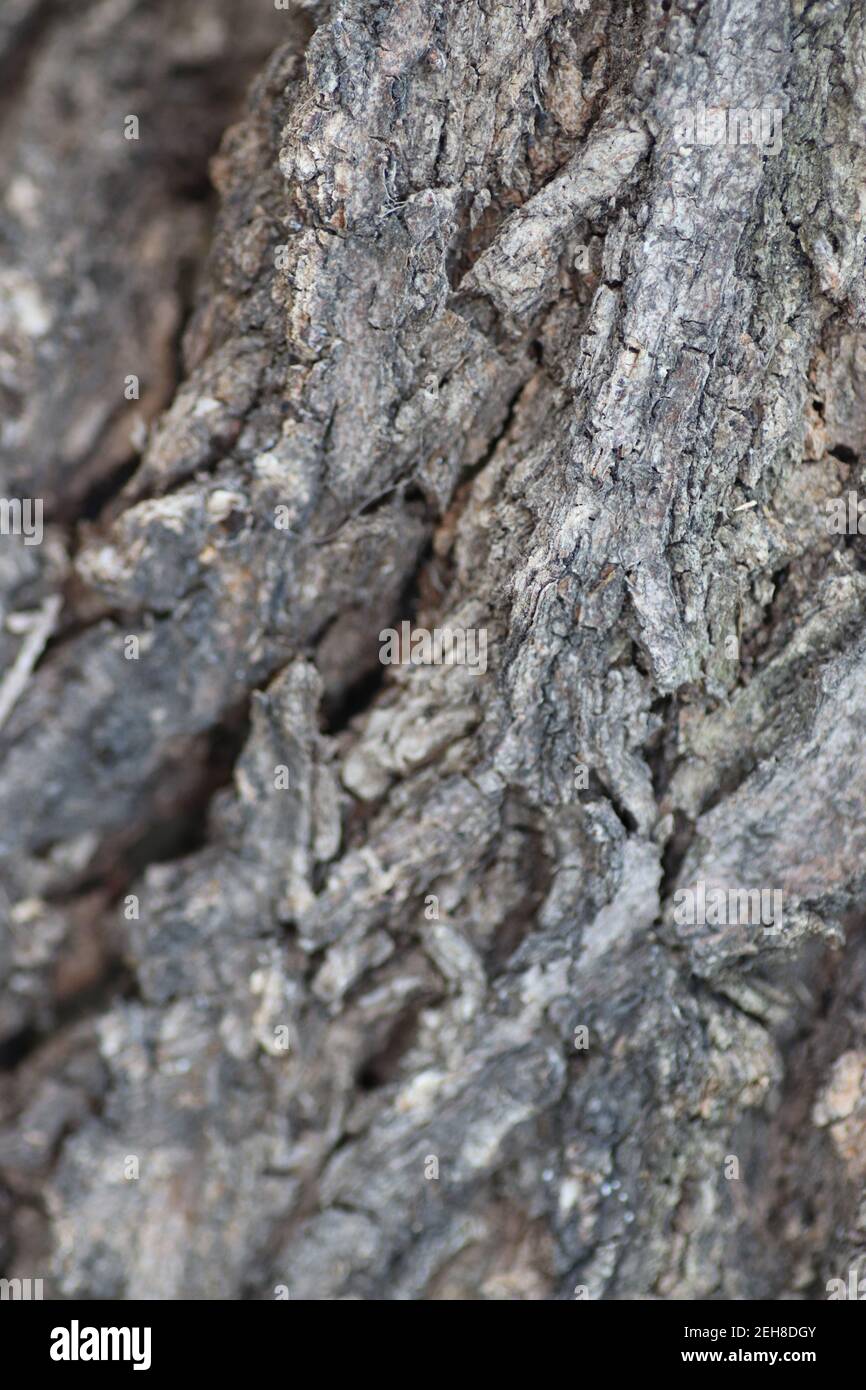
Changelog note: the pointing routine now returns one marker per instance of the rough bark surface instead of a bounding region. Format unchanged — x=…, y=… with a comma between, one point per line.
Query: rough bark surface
x=501, y=352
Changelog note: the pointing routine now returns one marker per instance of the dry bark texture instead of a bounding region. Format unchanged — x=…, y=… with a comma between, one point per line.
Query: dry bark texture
x=501, y=351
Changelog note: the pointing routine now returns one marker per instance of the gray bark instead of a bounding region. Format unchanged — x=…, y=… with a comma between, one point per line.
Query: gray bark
x=476, y=340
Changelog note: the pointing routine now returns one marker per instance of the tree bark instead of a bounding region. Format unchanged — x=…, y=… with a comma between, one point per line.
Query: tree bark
x=360, y=980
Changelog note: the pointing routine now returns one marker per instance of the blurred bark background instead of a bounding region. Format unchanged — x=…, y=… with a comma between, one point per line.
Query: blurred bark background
x=454, y=328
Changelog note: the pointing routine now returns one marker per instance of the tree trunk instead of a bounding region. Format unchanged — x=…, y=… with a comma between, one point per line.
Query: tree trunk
x=541, y=324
